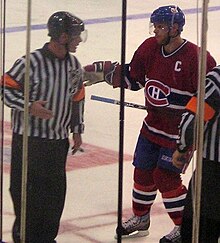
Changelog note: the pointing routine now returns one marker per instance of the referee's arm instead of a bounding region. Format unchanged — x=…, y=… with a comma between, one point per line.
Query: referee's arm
x=77, y=117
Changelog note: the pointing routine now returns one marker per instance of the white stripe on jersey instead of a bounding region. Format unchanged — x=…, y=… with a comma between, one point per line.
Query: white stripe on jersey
x=50, y=80
x=211, y=145
x=160, y=132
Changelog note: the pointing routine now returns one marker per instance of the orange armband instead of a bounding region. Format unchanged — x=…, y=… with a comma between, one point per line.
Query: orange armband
x=80, y=94
x=7, y=81
x=208, y=113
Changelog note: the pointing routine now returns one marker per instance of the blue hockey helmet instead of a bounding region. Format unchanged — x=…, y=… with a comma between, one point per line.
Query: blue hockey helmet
x=170, y=15
x=64, y=22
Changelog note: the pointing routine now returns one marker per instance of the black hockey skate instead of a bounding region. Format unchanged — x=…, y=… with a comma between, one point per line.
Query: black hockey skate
x=135, y=227
x=174, y=236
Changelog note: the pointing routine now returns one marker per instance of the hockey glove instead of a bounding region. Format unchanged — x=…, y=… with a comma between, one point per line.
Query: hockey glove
x=102, y=71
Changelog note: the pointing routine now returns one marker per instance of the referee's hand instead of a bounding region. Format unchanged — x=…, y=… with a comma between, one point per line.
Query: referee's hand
x=37, y=109
x=77, y=142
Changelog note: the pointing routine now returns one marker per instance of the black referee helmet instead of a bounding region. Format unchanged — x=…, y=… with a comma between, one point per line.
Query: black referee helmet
x=64, y=22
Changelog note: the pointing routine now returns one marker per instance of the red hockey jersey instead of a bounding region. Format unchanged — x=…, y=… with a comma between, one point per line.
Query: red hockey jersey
x=169, y=80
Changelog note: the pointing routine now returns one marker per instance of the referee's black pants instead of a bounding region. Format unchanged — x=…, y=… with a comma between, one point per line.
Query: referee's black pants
x=210, y=206
x=46, y=187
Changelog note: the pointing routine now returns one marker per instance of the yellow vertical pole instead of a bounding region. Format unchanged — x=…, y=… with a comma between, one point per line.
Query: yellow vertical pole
x=25, y=128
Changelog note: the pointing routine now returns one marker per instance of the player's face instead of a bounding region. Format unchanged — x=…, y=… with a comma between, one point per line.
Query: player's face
x=161, y=32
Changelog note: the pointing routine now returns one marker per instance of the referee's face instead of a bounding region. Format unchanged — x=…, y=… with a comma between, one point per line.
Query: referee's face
x=73, y=43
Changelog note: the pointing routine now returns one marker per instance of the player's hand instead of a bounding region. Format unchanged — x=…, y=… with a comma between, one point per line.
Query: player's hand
x=101, y=71
x=182, y=160
x=37, y=109
x=178, y=159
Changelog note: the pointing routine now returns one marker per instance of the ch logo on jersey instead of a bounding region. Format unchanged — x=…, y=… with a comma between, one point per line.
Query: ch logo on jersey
x=157, y=93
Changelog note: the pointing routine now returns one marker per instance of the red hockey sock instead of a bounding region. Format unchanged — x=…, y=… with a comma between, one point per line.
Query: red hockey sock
x=144, y=191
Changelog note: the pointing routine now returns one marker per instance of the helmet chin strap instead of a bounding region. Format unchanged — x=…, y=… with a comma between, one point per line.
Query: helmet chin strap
x=167, y=41
x=67, y=45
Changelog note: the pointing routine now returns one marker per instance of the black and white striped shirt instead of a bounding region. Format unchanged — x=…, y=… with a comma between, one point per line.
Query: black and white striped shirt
x=53, y=80
x=211, y=145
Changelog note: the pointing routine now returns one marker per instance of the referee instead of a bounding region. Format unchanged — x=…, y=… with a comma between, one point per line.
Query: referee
x=56, y=107
x=210, y=190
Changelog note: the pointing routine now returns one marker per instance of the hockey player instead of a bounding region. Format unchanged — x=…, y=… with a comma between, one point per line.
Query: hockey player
x=56, y=106
x=209, y=230
x=166, y=66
